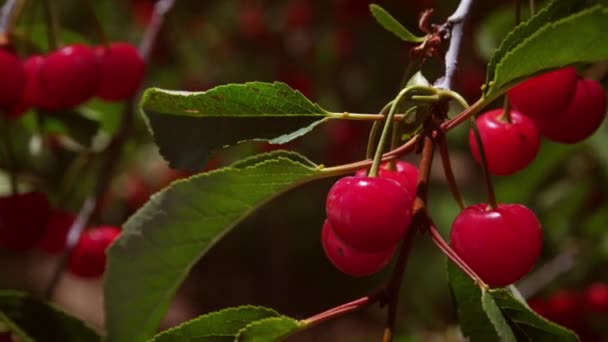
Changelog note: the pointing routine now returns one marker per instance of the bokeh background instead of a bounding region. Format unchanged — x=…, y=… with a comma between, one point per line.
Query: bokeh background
x=337, y=55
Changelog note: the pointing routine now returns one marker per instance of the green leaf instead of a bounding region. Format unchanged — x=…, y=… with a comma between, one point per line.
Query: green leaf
x=43, y=322
x=496, y=315
x=165, y=238
x=551, y=39
x=267, y=330
x=217, y=326
x=391, y=24
x=72, y=124
x=188, y=127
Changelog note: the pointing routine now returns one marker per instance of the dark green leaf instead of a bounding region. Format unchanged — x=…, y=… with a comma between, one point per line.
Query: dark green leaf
x=176, y=228
x=551, y=39
x=496, y=315
x=391, y=24
x=217, y=326
x=72, y=124
x=43, y=322
x=188, y=127
x=267, y=330
x=6, y=324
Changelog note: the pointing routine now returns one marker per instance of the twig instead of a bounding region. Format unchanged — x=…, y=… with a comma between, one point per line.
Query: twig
x=545, y=274
x=161, y=8
x=447, y=170
x=8, y=16
x=454, y=29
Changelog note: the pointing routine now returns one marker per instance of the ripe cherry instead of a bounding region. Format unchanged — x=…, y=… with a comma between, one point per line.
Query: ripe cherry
x=371, y=214
x=89, y=257
x=509, y=146
x=12, y=80
x=70, y=75
x=583, y=115
x=23, y=218
x=501, y=245
x=565, y=308
x=349, y=260
x=545, y=95
x=596, y=297
x=405, y=174
x=122, y=70
x=57, y=228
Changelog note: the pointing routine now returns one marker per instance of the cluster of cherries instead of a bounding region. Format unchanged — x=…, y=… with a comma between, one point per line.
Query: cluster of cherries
x=558, y=105
x=582, y=312
x=47, y=229
x=68, y=77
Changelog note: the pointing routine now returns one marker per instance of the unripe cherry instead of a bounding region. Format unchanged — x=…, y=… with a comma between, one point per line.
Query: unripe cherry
x=501, y=245
x=122, y=71
x=70, y=75
x=583, y=115
x=405, y=174
x=545, y=95
x=349, y=260
x=88, y=259
x=12, y=78
x=508, y=146
x=23, y=218
x=371, y=214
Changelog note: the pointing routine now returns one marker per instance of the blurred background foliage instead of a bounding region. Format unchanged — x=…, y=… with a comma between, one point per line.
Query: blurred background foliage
x=334, y=53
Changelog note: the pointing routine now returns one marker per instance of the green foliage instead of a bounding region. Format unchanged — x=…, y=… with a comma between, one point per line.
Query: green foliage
x=188, y=127
x=553, y=38
x=163, y=240
x=392, y=25
x=72, y=124
x=42, y=322
x=223, y=325
x=269, y=329
x=496, y=315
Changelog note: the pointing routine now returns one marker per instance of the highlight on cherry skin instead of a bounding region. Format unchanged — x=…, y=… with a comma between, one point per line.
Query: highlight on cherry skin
x=500, y=244
x=510, y=142
x=545, y=95
x=349, y=260
x=370, y=214
x=88, y=260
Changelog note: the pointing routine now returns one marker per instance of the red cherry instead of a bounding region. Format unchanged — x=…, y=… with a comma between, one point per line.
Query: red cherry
x=508, y=146
x=596, y=297
x=57, y=228
x=23, y=218
x=299, y=14
x=349, y=260
x=12, y=80
x=580, y=118
x=565, y=308
x=89, y=257
x=370, y=214
x=405, y=174
x=501, y=245
x=545, y=95
x=70, y=75
x=122, y=70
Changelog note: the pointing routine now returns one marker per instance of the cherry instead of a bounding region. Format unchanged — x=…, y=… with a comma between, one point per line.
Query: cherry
x=371, y=214
x=23, y=218
x=545, y=95
x=349, y=260
x=299, y=14
x=565, y=308
x=56, y=233
x=583, y=115
x=89, y=257
x=405, y=174
x=70, y=75
x=122, y=70
x=501, y=245
x=6, y=336
x=596, y=297
x=509, y=146
x=12, y=81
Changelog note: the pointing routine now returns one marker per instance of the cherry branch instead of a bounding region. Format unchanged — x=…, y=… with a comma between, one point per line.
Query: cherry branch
x=340, y=310
x=8, y=17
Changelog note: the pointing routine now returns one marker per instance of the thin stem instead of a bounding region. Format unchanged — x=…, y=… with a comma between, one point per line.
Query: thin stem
x=74, y=233
x=52, y=24
x=506, y=110
x=8, y=17
x=101, y=33
x=532, y=7
x=395, y=141
x=161, y=8
x=447, y=170
x=373, y=133
x=467, y=113
x=363, y=117
x=354, y=305
x=484, y=166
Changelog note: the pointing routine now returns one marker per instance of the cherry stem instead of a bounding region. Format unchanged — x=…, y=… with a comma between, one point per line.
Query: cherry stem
x=52, y=24
x=532, y=7
x=74, y=233
x=505, y=116
x=340, y=310
x=395, y=141
x=8, y=18
x=101, y=33
x=373, y=133
x=447, y=170
x=484, y=167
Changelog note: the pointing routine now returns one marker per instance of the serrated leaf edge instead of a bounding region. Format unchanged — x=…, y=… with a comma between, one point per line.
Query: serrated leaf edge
x=261, y=321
